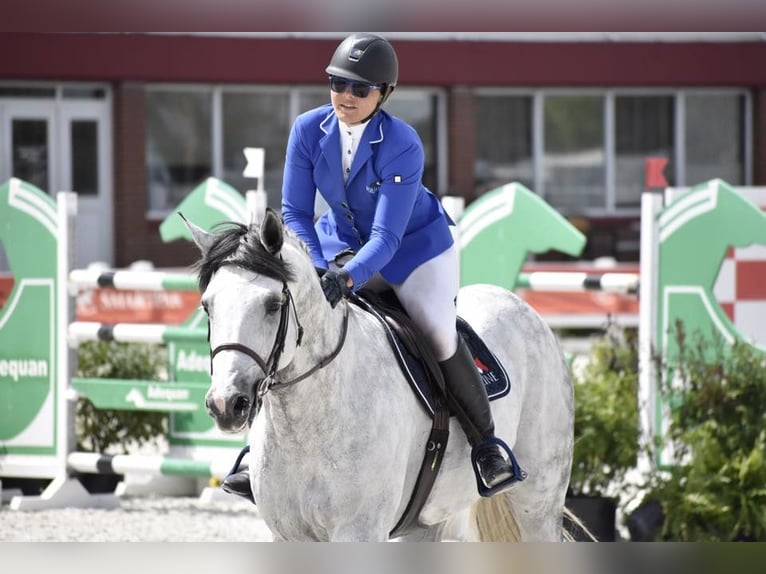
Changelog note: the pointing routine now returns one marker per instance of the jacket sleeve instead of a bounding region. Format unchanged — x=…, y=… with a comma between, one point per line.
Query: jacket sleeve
x=401, y=179
x=299, y=192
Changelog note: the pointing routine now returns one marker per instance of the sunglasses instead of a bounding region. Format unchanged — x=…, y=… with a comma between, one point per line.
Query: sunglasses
x=359, y=89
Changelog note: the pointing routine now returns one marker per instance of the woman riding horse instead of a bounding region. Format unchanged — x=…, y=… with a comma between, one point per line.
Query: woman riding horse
x=368, y=167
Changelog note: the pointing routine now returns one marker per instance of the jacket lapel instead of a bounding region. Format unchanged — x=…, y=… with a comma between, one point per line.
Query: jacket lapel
x=330, y=146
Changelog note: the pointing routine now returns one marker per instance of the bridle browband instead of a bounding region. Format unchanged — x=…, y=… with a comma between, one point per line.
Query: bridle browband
x=270, y=365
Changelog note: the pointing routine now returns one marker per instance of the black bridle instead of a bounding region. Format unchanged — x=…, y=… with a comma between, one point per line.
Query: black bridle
x=269, y=366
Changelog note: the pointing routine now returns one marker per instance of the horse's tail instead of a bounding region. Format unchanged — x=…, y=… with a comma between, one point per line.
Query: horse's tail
x=577, y=524
x=495, y=521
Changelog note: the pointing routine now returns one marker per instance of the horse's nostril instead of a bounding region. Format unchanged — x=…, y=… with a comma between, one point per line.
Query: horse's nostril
x=212, y=408
x=241, y=406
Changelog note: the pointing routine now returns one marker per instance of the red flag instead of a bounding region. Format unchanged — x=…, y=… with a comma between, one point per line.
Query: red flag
x=653, y=168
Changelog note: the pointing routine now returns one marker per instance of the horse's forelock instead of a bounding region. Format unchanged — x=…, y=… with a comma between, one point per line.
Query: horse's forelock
x=239, y=245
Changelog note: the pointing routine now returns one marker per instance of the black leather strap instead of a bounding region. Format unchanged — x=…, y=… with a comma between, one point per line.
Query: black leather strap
x=437, y=440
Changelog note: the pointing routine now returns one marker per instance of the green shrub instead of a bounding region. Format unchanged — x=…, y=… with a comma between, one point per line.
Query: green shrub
x=111, y=430
x=715, y=487
x=606, y=415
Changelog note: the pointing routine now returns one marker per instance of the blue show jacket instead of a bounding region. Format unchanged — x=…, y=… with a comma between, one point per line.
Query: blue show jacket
x=383, y=212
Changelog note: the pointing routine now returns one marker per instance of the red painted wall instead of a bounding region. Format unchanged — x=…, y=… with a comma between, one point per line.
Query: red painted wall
x=136, y=57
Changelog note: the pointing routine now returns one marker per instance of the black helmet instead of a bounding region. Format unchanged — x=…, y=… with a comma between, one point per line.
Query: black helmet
x=366, y=58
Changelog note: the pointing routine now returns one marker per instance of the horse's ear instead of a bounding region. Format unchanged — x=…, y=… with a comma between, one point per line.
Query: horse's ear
x=202, y=238
x=272, y=232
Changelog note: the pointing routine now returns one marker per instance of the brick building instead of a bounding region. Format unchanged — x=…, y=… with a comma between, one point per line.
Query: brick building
x=133, y=122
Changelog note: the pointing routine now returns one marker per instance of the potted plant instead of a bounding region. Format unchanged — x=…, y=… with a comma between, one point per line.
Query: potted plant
x=111, y=431
x=714, y=488
x=606, y=431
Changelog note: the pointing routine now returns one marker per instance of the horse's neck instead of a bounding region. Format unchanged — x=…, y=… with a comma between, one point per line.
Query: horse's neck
x=319, y=395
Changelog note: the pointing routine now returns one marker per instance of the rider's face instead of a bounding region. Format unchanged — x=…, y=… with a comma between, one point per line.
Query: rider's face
x=352, y=109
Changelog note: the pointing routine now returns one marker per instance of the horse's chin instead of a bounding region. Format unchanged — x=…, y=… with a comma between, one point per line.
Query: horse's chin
x=230, y=426
x=236, y=430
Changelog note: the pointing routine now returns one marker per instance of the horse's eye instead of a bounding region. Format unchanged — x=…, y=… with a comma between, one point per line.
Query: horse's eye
x=273, y=305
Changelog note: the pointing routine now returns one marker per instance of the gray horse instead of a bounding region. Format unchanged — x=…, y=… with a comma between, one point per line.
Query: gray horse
x=336, y=434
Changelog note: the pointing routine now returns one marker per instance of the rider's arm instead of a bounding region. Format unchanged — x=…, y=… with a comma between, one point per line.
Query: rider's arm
x=299, y=192
x=400, y=183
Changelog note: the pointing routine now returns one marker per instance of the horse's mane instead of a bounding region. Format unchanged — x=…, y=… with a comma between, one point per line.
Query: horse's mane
x=240, y=245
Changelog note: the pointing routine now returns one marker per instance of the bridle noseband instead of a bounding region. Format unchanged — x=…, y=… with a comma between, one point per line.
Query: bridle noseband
x=270, y=365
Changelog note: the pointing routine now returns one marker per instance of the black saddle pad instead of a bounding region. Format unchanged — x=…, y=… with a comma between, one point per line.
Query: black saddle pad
x=495, y=378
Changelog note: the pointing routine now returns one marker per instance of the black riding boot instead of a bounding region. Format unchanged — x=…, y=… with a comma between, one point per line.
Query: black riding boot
x=239, y=483
x=468, y=391
x=238, y=480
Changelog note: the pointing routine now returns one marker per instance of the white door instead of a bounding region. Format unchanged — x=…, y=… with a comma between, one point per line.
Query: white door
x=64, y=145
x=28, y=134
x=85, y=140
x=27, y=138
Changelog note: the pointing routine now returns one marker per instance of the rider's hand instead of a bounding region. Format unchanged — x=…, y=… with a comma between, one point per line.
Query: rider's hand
x=336, y=285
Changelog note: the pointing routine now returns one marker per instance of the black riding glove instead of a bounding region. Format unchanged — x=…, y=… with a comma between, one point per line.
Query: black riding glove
x=335, y=285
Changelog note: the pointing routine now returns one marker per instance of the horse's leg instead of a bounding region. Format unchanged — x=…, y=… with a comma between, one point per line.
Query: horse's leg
x=538, y=502
x=546, y=454
x=434, y=533
x=461, y=527
x=543, y=445
x=360, y=530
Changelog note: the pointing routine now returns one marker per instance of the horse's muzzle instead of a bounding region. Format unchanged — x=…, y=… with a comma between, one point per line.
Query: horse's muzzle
x=231, y=414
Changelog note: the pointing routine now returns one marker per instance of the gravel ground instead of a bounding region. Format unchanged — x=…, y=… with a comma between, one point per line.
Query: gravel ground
x=176, y=519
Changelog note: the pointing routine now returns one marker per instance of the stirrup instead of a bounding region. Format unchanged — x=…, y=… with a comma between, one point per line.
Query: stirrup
x=517, y=475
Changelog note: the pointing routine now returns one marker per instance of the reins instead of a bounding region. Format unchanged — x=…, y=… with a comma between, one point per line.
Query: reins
x=270, y=365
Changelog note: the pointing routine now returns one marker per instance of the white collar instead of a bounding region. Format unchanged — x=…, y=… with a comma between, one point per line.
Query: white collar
x=354, y=131
x=350, y=136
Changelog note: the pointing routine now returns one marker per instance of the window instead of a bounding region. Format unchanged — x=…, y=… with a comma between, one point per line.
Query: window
x=504, y=141
x=575, y=159
x=30, y=151
x=714, y=139
x=84, y=145
x=256, y=119
x=83, y=93
x=310, y=99
x=27, y=91
x=643, y=128
x=182, y=125
x=418, y=108
x=585, y=151
x=178, y=145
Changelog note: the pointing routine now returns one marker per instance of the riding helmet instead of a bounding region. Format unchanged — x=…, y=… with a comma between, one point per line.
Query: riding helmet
x=366, y=57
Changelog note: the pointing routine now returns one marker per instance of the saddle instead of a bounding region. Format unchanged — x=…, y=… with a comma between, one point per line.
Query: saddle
x=415, y=357
x=423, y=373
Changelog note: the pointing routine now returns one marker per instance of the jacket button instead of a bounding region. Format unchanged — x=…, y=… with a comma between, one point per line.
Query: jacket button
x=350, y=216
x=344, y=205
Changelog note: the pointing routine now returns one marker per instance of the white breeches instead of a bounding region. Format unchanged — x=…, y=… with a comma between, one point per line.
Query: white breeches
x=429, y=295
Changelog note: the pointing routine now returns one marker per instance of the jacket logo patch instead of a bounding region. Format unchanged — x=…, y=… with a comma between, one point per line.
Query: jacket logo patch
x=397, y=179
